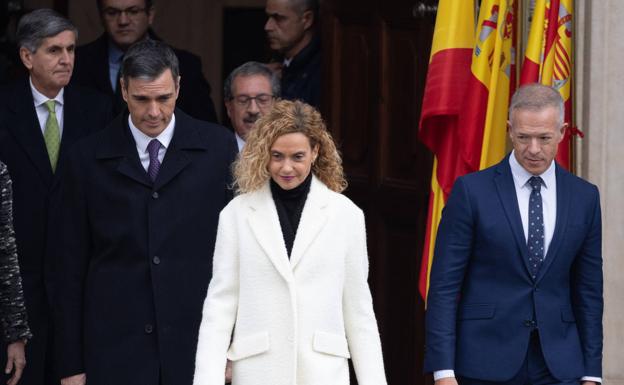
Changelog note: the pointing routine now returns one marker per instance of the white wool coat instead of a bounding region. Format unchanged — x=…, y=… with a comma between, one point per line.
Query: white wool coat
x=290, y=321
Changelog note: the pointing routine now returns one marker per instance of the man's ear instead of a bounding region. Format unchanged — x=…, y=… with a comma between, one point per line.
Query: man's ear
x=124, y=89
x=177, y=86
x=26, y=57
x=308, y=19
x=150, y=15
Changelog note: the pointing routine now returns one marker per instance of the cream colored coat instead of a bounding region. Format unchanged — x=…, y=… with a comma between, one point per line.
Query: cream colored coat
x=294, y=321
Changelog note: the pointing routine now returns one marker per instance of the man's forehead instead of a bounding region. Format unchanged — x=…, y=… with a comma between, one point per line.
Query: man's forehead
x=280, y=7
x=123, y=4
x=244, y=82
x=62, y=39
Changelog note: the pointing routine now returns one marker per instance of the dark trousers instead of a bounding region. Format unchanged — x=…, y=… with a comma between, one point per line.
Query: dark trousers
x=532, y=372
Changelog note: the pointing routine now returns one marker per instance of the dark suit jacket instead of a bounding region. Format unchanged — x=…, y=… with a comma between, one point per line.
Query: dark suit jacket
x=301, y=80
x=139, y=255
x=91, y=70
x=36, y=193
x=482, y=298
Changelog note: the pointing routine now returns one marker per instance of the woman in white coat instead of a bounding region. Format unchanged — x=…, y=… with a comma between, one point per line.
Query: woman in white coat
x=289, y=302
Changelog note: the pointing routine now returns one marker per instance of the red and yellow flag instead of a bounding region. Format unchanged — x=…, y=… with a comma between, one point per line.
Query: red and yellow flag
x=466, y=99
x=548, y=58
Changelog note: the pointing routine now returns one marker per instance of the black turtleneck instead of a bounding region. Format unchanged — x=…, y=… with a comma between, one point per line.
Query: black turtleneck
x=289, y=204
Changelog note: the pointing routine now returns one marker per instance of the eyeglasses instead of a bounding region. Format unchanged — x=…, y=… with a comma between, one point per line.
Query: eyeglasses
x=262, y=100
x=113, y=13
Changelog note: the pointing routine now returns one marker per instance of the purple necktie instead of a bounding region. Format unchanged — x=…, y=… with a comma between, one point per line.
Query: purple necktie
x=154, y=164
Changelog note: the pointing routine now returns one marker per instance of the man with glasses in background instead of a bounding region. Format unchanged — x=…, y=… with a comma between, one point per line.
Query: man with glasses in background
x=125, y=22
x=249, y=92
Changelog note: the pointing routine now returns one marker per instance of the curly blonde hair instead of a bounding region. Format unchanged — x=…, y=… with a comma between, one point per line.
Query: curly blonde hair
x=286, y=117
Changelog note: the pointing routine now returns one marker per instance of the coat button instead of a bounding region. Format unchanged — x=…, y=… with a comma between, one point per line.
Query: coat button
x=149, y=328
x=529, y=323
x=156, y=260
x=155, y=195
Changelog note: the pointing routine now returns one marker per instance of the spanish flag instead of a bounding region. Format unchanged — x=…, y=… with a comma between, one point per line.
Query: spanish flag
x=548, y=59
x=466, y=98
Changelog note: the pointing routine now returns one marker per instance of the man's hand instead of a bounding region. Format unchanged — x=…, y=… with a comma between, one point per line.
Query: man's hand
x=78, y=379
x=228, y=372
x=16, y=361
x=446, y=381
x=589, y=383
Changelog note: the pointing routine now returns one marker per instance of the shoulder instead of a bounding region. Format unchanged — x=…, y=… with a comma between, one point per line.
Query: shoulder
x=580, y=186
x=97, y=45
x=86, y=95
x=187, y=59
x=207, y=131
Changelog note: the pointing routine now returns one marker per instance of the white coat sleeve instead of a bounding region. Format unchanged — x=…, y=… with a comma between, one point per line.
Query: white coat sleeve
x=220, y=305
x=360, y=322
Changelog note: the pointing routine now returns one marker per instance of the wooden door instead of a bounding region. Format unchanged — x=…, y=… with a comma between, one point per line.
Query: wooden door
x=375, y=58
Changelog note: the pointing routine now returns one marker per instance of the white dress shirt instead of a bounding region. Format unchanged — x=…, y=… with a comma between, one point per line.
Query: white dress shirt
x=549, y=204
x=143, y=140
x=42, y=110
x=240, y=142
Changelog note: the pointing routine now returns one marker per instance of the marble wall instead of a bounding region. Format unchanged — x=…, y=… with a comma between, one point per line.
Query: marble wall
x=600, y=113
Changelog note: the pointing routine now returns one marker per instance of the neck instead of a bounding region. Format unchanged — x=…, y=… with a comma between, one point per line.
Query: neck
x=299, y=46
x=46, y=91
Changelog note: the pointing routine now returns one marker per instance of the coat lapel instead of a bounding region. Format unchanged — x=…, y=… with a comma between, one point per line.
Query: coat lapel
x=266, y=228
x=185, y=139
x=27, y=131
x=73, y=118
x=507, y=195
x=120, y=144
x=563, y=208
x=313, y=219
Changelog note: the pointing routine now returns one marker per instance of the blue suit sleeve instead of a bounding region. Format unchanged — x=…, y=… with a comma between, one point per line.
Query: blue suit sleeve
x=452, y=253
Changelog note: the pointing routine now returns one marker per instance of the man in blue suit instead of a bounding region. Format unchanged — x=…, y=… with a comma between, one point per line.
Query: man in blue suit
x=516, y=283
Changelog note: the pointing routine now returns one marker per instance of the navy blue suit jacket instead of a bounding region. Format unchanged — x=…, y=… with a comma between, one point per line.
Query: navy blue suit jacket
x=482, y=299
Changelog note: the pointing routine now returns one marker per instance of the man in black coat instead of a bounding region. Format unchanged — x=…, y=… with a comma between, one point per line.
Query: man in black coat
x=142, y=205
x=125, y=22
x=292, y=31
x=40, y=119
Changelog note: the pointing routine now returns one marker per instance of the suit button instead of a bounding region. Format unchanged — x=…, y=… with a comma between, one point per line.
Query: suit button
x=156, y=260
x=149, y=329
x=529, y=323
x=155, y=195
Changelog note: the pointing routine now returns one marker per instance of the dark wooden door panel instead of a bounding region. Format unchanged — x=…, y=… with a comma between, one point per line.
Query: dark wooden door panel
x=375, y=62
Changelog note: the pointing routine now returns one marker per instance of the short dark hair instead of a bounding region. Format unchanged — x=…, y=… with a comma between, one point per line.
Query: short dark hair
x=251, y=68
x=149, y=4
x=148, y=59
x=41, y=24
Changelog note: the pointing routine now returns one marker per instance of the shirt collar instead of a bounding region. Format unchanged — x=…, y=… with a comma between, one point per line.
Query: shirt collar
x=143, y=140
x=40, y=98
x=522, y=176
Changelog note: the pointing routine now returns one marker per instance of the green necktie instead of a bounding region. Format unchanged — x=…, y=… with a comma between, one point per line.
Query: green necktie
x=52, y=134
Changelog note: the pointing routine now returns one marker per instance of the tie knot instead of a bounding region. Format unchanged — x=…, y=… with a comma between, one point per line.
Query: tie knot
x=152, y=147
x=535, y=182
x=50, y=105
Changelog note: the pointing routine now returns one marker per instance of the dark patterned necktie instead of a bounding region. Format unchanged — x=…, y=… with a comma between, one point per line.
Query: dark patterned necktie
x=154, y=163
x=535, y=240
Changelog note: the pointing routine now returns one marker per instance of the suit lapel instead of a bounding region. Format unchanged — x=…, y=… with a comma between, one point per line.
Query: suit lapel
x=27, y=130
x=266, y=228
x=507, y=195
x=73, y=119
x=313, y=219
x=563, y=208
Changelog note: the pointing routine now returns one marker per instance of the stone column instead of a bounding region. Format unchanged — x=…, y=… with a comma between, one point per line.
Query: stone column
x=600, y=113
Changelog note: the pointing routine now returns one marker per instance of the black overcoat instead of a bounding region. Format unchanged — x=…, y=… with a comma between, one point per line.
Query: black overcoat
x=138, y=255
x=36, y=198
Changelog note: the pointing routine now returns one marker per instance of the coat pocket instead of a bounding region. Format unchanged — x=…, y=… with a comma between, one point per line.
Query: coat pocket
x=248, y=346
x=476, y=311
x=330, y=343
x=567, y=315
